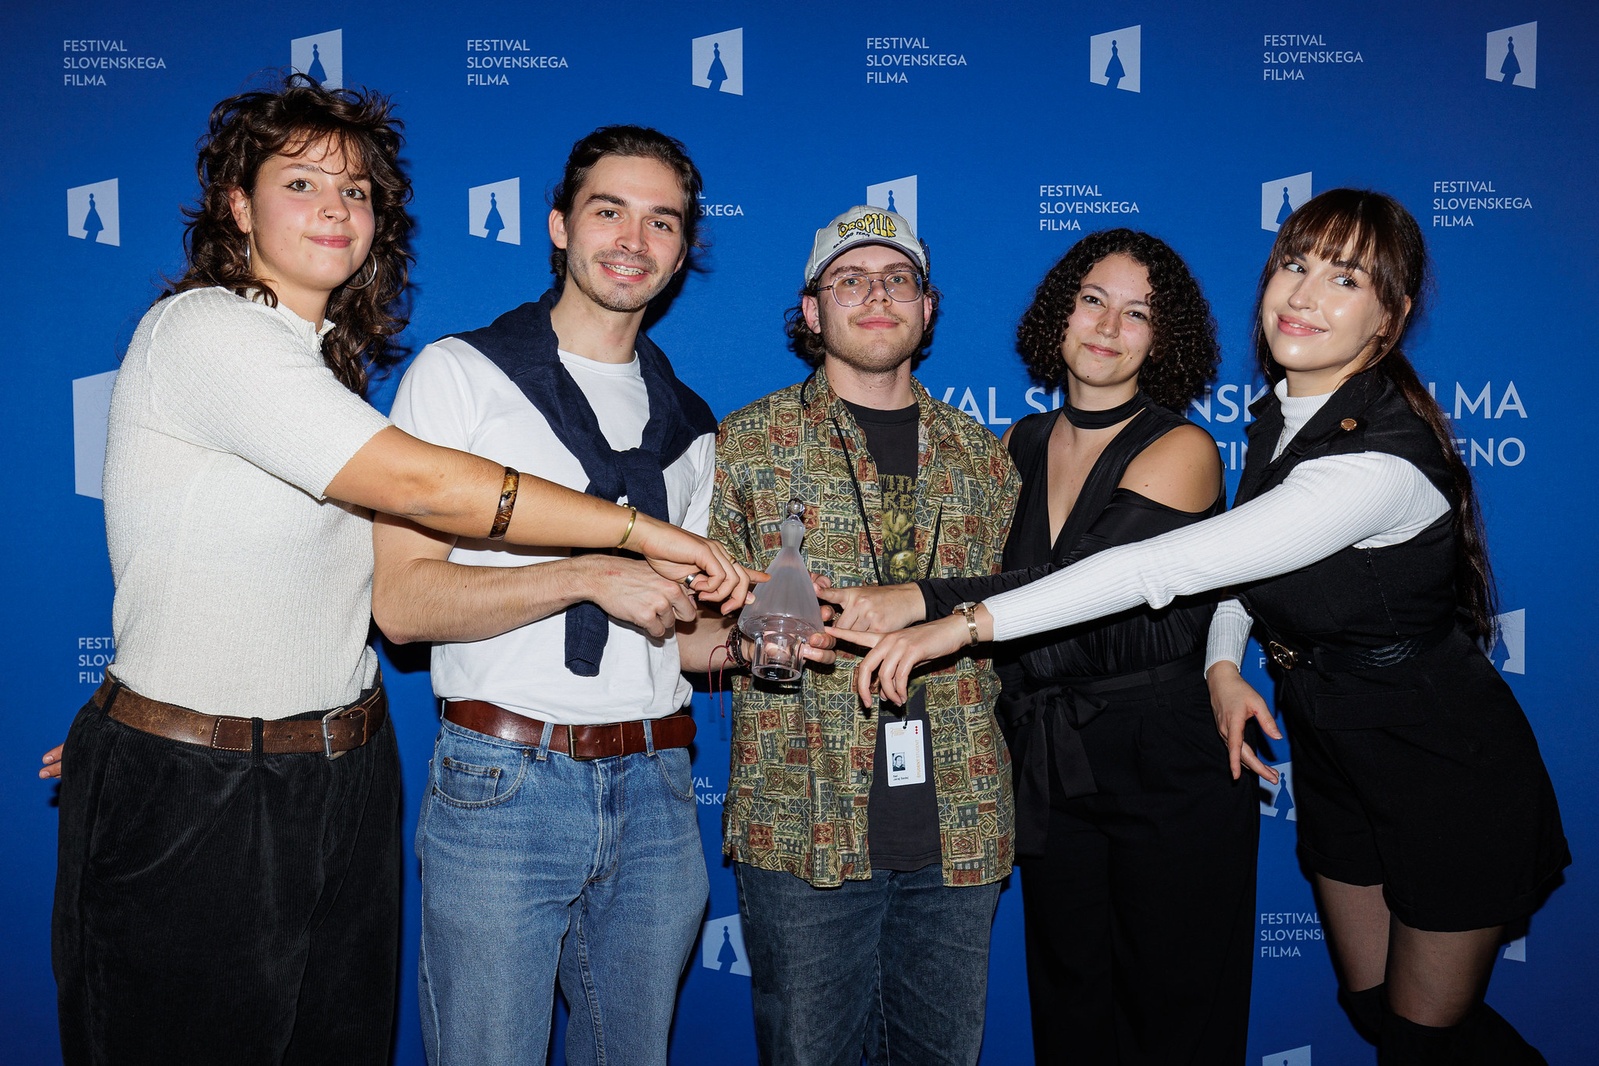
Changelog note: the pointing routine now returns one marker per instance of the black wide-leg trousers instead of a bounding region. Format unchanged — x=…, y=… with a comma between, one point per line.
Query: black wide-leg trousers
x=225, y=907
x=1140, y=916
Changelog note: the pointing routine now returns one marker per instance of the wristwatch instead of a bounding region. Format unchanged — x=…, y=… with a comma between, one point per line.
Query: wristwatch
x=969, y=610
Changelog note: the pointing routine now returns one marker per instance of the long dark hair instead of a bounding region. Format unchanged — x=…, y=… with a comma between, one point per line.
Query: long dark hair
x=1183, y=353
x=1377, y=234
x=247, y=130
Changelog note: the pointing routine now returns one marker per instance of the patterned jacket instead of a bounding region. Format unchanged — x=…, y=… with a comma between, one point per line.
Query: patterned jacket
x=802, y=753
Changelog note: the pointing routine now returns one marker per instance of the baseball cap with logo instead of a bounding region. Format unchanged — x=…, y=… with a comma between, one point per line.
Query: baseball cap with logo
x=863, y=225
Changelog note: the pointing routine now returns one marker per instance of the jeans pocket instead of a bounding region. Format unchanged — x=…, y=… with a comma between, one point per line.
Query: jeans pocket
x=464, y=784
x=676, y=771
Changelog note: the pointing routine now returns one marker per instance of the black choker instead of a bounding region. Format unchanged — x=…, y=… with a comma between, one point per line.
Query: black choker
x=1102, y=419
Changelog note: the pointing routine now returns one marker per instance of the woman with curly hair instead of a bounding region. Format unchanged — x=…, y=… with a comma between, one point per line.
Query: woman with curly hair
x=1427, y=821
x=228, y=877
x=1137, y=852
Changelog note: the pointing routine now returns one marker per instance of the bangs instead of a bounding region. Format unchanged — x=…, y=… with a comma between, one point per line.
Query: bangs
x=358, y=152
x=1325, y=231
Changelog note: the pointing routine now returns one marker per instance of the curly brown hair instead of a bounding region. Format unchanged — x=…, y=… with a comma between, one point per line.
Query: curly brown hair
x=1183, y=354
x=248, y=129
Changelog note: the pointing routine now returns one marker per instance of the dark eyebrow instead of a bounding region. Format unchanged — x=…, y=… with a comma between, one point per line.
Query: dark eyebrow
x=608, y=198
x=317, y=168
x=1100, y=289
x=852, y=268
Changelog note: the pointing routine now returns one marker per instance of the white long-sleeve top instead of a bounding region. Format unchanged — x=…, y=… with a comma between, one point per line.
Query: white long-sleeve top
x=1365, y=500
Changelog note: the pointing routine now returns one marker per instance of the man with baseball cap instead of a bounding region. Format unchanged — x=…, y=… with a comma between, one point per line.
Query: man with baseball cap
x=868, y=846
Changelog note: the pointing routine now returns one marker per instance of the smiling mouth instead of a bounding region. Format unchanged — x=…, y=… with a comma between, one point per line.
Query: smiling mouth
x=1294, y=325
x=624, y=269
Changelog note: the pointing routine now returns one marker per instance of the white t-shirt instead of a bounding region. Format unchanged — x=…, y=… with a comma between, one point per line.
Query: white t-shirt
x=240, y=589
x=455, y=396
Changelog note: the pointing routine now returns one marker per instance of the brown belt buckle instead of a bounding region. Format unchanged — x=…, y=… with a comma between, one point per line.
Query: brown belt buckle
x=327, y=737
x=1282, y=655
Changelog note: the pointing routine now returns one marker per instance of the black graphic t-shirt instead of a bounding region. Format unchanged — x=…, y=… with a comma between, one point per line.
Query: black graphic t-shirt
x=902, y=820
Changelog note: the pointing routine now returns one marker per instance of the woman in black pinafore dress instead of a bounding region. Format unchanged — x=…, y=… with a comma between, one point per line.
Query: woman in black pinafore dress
x=1427, y=820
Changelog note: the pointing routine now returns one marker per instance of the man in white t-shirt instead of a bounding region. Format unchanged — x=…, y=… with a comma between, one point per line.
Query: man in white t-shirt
x=559, y=840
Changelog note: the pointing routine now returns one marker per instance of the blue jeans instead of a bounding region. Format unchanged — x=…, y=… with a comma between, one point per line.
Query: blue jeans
x=895, y=968
x=538, y=868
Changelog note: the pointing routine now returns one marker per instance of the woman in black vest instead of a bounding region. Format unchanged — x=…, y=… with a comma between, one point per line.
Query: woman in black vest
x=1426, y=817
x=1137, y=855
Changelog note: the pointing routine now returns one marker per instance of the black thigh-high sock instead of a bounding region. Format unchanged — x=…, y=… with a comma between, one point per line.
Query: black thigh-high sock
x=1484, y=1038
x=1499, y=1040
x=1365, y=1010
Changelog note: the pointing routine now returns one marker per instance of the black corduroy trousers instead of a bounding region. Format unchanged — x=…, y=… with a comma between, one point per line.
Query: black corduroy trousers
x=216, y=906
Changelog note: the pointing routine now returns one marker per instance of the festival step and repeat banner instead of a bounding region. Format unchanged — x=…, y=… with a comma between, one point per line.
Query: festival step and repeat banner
x=1004, y=132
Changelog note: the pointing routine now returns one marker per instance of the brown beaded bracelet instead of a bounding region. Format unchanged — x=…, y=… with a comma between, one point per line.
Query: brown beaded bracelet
x=502, y=517
x=735, y=649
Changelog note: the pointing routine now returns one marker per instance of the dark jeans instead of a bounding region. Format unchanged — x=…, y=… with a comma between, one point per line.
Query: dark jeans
x=225, y=907
x=895, y=967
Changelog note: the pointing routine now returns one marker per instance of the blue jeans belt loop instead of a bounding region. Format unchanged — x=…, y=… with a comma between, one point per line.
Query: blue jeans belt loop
x=331, y=734
x=576, y=741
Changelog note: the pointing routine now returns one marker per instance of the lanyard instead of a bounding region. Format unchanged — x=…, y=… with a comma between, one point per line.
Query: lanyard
x=866, y=523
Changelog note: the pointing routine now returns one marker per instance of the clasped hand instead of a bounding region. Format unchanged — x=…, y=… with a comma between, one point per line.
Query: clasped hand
x=876, y=618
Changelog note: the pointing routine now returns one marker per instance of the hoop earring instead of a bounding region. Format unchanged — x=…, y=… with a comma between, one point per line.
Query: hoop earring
x=246, y=255
x=372, y=275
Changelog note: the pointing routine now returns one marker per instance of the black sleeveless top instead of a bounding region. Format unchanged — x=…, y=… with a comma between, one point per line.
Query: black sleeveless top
x=1102, y=517
x=1356, y=598
x=1041, y=676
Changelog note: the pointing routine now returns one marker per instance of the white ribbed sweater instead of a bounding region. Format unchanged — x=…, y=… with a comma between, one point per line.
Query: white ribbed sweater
x=1368, y=500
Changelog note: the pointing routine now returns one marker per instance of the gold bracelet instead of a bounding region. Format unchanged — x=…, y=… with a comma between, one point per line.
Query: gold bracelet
x=628, y=532
x=969, y=611
x=502, y=517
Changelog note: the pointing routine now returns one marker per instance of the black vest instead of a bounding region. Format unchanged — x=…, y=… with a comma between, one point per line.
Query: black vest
x=1355, y=598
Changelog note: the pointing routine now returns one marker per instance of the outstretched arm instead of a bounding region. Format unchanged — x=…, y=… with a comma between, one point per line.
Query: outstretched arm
x=457, y=493
x=1324, y=506
x=418, y=594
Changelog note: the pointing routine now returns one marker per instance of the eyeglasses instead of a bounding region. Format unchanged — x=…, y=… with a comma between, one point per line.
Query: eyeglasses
x=852, y=290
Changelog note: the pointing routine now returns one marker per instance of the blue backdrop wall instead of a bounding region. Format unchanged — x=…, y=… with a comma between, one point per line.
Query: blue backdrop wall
x=996, y=129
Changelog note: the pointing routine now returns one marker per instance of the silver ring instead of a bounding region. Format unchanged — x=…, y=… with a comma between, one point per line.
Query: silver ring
x=688, y=581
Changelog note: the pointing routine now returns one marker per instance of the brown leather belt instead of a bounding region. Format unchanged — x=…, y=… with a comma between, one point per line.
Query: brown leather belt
x=335, y=733
x=578, y=741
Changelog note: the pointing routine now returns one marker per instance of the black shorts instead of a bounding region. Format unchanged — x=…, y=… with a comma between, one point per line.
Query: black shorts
x=1425, y=778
